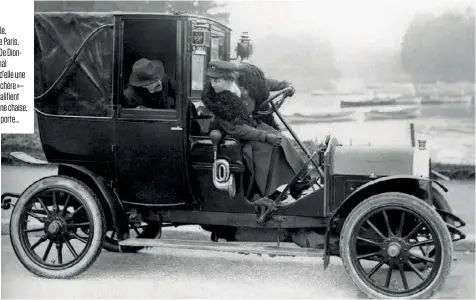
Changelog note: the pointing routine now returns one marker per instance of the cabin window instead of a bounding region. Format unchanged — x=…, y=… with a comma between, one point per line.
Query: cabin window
x=214, y=49
x=155, y=41
x=217, y=48
x=198, y=71
x=218, y=43
x=200, y=59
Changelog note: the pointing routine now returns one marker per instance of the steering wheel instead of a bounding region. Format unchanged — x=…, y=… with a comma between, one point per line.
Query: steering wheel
x=275, y=105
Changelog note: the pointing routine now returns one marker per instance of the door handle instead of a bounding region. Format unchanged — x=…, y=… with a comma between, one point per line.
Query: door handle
x=176, y=128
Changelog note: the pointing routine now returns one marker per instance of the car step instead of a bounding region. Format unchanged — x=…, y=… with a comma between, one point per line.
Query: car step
x=224, y=247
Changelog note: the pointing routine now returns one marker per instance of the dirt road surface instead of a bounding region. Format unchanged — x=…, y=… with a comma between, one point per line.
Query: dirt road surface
x=165, y=273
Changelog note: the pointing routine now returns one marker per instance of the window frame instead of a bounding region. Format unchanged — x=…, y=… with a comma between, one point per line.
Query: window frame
x=146, y=114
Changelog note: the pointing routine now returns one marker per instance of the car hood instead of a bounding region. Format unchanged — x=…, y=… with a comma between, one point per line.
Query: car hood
x=366, y=160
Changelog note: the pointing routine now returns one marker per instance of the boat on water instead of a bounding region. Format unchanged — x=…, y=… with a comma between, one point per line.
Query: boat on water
x=408, y=100
x=341, y=116
x=369, y=102
x=322, y=93
x=432, y=100
x=405, y=113
x=436, y=99
x=457, y=99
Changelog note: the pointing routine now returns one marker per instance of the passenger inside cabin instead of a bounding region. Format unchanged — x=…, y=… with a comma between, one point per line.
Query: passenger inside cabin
x=149, y=86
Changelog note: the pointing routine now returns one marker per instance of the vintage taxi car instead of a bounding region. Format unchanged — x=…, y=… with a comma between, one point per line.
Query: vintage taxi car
x=125, y=173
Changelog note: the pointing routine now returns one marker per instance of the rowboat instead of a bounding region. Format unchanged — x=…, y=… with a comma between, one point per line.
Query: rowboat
x=406, y=113
x=460, y=99
x=432, y=100
x=408, y=100
x=370, y=102
x=340, y=116
x=321, y=93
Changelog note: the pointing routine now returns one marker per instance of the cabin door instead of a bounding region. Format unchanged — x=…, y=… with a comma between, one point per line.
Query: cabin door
x=150, y=164
x=150, y=160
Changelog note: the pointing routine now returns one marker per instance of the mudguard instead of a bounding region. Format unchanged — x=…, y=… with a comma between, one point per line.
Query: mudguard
x=28, y=158
x=116, y=209
x=349, y=200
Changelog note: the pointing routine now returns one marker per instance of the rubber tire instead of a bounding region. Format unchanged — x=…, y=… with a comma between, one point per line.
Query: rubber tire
x=150, y=232
x=90, y=203
x=415, y=204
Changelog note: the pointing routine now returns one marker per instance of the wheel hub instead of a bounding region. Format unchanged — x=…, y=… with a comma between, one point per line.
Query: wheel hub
x=394, y=249
x=54, y=227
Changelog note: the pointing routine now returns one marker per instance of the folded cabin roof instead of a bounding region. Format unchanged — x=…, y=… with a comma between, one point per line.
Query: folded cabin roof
x=128, y=14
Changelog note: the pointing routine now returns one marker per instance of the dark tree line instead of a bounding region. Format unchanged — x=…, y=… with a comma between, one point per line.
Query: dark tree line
x=440, y=48
x=204, y=8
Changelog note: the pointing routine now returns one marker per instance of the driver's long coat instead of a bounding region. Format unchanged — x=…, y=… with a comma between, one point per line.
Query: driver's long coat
x=232, y=117
x=258, y=154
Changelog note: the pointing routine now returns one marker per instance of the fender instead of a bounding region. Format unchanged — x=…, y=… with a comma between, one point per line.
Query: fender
x=119, y=217
x=350, y=200
x=362, y=193
x=118, y=214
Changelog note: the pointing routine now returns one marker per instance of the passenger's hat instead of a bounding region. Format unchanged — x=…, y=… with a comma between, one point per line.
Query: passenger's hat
x=220, y=68
x=145, y=72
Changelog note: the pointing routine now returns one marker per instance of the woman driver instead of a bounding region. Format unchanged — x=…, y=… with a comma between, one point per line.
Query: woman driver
x=232, y=107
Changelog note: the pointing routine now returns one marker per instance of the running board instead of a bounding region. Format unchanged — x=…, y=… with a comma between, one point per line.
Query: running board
x=223, y=247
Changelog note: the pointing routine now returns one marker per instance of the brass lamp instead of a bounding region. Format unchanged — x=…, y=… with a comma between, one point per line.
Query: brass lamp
x=244, y=48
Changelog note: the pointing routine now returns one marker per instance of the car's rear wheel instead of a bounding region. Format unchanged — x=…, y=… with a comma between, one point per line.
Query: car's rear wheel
x=385, y=230
x=61, y=213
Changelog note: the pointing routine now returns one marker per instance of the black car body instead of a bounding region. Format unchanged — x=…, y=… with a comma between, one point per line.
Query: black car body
x=159, y=163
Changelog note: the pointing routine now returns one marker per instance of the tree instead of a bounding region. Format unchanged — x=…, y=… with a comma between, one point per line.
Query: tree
x=440, y=48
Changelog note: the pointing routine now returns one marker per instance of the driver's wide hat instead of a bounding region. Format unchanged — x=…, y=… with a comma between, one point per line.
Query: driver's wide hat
x=220, y=68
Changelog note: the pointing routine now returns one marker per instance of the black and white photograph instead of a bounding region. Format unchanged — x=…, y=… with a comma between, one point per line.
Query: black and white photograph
x=239, y=150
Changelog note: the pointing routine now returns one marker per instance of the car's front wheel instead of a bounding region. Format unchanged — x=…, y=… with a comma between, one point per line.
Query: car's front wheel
x=380, y=241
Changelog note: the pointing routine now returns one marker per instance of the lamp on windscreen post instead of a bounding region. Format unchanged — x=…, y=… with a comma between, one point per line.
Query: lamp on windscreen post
x=244, y=48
